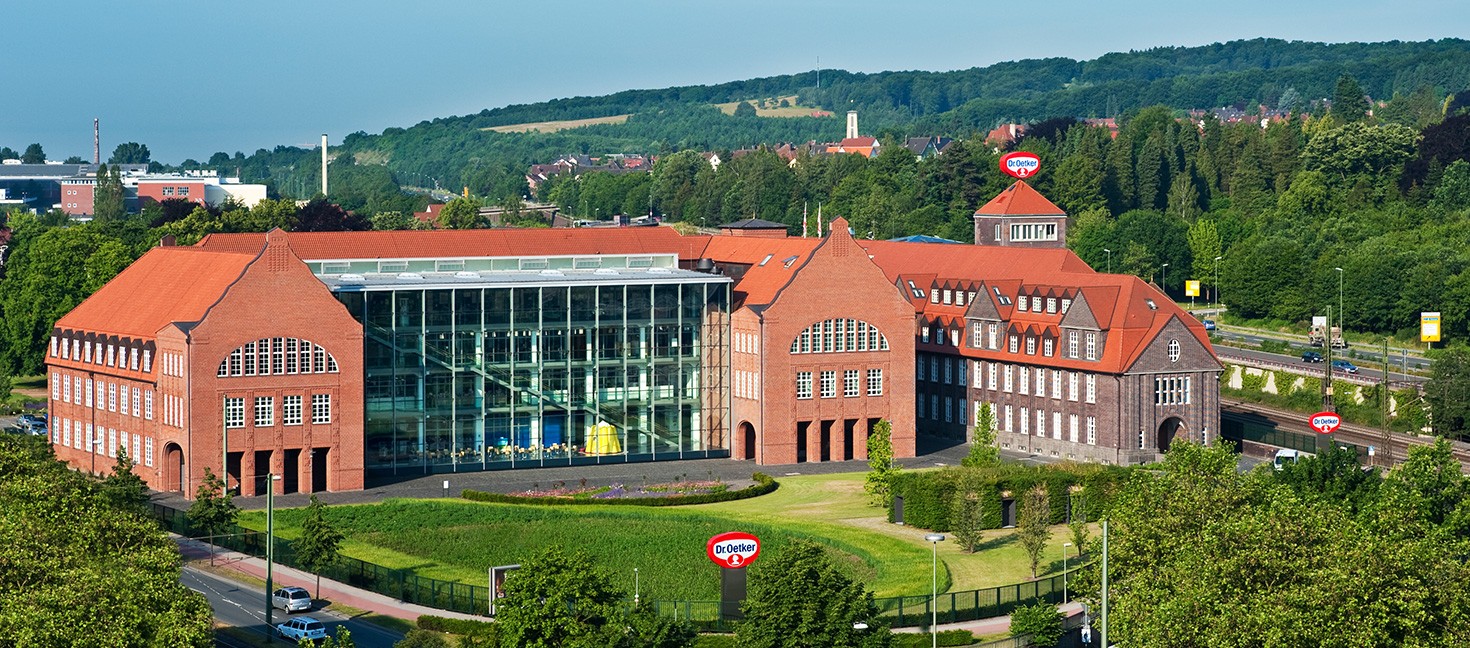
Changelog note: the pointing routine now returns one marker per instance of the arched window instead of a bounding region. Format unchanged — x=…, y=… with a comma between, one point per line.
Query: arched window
x=277, y=357
x=839, y=336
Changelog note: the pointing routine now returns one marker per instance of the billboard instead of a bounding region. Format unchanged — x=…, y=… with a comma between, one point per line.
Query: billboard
x=1191, y=288
x=1429, y=327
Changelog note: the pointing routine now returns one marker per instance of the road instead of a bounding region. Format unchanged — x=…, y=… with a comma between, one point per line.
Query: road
x=1366, y=372
x=242, y=606
x=1365, y=354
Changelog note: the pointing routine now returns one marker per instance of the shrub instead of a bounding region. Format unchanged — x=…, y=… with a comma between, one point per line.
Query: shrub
x=456, y=626
x=928, y=496
x=763, y=485
x=1042, y=621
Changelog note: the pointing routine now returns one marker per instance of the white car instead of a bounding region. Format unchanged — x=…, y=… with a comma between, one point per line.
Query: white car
x=291, y=599
x=302, y=628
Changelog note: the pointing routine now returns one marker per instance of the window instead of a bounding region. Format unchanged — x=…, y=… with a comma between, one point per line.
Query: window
x=265, y=411
x=148, y=405
x=948, y=371
x=111, y=397
x=1008, y=378
x=183, y=191
x=89, y=390
x=1046, y=346
x=137, y=401
x=875, y=382
x=1066, y=305
x=123, y=399
x=961, y=372
x=111, y=442
x=1056, y=384
x=1091, y=388
x=148, y=451
x=1091, y=345
x=168, y=191
x=234, y=412
x=1171, y=390
x=979, y=373
x=1173, y=350
x=1040, y=382
x=1040, y=423
x=1030, y=345
x=977, y=337
x=919, y=369
x=851, y=387
x=934, y=297
x=1051, y=305
x=275, y=356
x=1025, y=421
x=1056, y=425
x=147, y=361
x=1015, y=343
x=959, y=298
x=1008, y=427
x=829, y=384
x=919, y=407
x=934, y=368
x=803, y=384
x=90, y=438
x=54, y=345
x=934, y=406
x=55, y=386
x=133, y=359
x=66, y=432
x=110, y=356
x=948, y=295
x=924, y=335
x=1072, y=428
x=990, y=376
x=948, y=409
x=87, y=352
x=65, y=389
x=1034, y=232
x=993, y=330
x=291, y=410
x=1025, y=381
x=1072, y=386
x=1021, y=302
x=321, y=409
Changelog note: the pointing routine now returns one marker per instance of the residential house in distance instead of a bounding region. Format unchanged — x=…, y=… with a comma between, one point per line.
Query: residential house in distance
x=854, y=143
x=1005, y=135
x=927, y=147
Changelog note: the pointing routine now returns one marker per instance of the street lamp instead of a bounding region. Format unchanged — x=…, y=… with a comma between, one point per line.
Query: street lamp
x=270, y=547
x=934, y=538
x=1164, y=279
x=1064, y=571
x=1218, y=303
x=635, y=587
x=1110, y=260
x=1341, y=314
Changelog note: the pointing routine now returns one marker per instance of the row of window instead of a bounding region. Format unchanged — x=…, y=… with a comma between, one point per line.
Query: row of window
x=1032, y=232
x=110, y=396
x=103, y=441
x=1020, y=379
x=277, y=357
x=933, y=410
x=747, y=384
x=947, y=296
x=839, y=336
x=1171, y=390
x=988, y=337
x=173, y=411
x=265, y=410
x=170, y=191
x=852, y=383
x=952, y=367
x=173, y=365
x=1008, y=422
x=746, y=343
x=111, y=355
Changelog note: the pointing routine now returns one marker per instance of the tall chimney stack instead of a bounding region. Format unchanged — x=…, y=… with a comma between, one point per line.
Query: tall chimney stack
x=324, y=165
x=852, y=124
x=96, y=141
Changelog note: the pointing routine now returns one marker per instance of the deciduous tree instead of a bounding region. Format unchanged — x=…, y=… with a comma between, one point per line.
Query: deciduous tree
x=317, y=547
x=799, y=599
x=1034, y=530
x=982, y=443
x=135, y=153
x=212, y=512
x=557, y=599
x=881, y=469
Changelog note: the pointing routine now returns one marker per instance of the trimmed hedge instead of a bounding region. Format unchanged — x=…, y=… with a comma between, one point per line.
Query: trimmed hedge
x=457, y=626
x=927, y=495
x=923, y=640
x=764, y=484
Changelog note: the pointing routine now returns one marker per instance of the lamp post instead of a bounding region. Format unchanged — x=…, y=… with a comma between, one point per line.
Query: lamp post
x=1218, y=303
x=635, y=587
x=1110, y=260
x=1164, y=279
x=1064, y=571
x=270, y=549
x=1341, y=314
x=935, y=539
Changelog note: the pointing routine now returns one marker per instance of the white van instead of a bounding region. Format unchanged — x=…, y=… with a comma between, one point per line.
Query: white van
x=1285, y=457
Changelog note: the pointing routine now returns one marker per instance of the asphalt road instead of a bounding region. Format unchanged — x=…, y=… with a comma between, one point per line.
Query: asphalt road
x=243, y=606
x=1365, y=371
x=1365, y=354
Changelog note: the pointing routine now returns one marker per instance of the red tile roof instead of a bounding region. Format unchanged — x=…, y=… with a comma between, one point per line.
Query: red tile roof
x=1020, y=199
x=168, y=284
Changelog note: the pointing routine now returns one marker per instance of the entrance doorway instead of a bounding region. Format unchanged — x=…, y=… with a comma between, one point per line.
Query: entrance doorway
x=291, y=472
x=747, y=441
x=319, y=469
x=801, y=431
x=173, y=468
x=1171, y=427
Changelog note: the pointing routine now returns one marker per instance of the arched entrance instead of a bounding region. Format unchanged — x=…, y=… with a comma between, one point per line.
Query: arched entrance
x=1171, y=427
x=173, y=468
x=747, y=441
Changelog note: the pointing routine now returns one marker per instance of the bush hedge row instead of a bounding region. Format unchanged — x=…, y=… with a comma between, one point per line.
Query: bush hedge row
x=456, y=626
x=923, y=640
x=928, y=495
x=763, y=485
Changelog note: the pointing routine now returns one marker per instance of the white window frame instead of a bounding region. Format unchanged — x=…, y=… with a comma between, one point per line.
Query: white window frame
x=875, y=382
x=1091, y=388
x=851, y=388
x=321, y=409
x=803, y=385
x=828, y=383
x=234, y=412
x=265, y=411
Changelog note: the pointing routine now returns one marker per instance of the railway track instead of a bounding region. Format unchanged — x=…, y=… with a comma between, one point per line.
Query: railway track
x=1393, y=448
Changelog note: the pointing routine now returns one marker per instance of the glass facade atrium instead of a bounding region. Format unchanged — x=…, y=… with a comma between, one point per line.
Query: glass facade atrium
x=501, y=363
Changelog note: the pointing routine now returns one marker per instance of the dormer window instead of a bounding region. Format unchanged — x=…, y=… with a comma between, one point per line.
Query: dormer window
x=1151, y=304
x=1046, y=347
x=1030, y=345
x=948, y=295
x=1015, y=343
x=1021, y=302
x=924, y=334
x=934, y=297
x=1036, y=304
x=959, y=297
x=1051, y=305
x=1066, y=304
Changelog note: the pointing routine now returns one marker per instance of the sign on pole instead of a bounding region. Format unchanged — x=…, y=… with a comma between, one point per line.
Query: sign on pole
x=1020, y=164
x=733, y=549
x=1191, y=288
x=1429, y=327
x=1325, y=422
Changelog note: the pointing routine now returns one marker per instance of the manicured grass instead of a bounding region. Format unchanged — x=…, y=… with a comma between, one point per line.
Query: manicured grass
x=457, y=540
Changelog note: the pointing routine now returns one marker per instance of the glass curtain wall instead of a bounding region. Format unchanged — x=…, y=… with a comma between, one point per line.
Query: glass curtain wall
x=509, y=377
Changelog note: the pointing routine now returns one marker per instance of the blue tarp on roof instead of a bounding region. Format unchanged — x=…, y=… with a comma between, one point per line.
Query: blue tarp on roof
x=922, y=238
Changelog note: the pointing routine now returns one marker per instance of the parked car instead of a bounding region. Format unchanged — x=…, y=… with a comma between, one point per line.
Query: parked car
x=291, y=599
x=1345, y=366
x=1311, y=356
x=1209, y=324
x=31, y=420
x=302, y=628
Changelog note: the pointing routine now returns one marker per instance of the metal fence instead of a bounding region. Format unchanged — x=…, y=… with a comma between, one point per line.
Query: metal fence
x=405, y=585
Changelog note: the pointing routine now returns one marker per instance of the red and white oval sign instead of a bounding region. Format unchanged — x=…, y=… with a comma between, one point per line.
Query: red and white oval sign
x=733, y=549
x=1020, y=164
x=1326, y=422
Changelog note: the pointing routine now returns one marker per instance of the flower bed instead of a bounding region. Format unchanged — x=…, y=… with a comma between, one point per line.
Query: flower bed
x=666, y=494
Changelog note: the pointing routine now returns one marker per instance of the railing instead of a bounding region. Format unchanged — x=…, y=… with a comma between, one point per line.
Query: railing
x=405, y=585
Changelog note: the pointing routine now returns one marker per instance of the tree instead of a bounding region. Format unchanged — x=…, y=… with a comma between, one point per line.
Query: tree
x=1349, y=102
x=322, y=216
x=881, y=469
x=1041, y=620
x=33, y=155
x=744, y=109
x=647, y=629
x=212, y=512
x=1034, y=531
x=964, y=519
x=317, y=548
x=460, y=213
x=107, y=195
x=132, y=153
x=417, y=638
x=800, y=599
x=982, y=445
x=1204, y=247
x=126, y=489
x=1448, y=392
x=557, y=599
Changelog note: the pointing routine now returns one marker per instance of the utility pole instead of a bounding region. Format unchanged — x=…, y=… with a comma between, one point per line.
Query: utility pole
x=1384, y=396
x=1103, y=635
x=1327, y=376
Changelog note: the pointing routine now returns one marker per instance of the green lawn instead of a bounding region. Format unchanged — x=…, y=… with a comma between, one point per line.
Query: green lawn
x=457, y=540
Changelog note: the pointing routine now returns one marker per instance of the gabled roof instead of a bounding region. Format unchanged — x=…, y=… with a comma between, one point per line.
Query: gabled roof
x=754, y=223
x=1020, y=199
x=168, y=284
x=419, y=244
x=770, y=263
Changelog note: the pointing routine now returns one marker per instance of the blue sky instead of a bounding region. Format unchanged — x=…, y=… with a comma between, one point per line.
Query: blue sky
x=191, y=78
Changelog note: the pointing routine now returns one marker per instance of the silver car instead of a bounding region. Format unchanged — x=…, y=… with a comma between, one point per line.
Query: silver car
x=291, y=599
x=302, y=628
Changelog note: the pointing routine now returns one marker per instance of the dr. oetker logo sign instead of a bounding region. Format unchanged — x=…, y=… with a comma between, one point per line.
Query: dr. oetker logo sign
x=733, y=549
x=1326, y=422
x=1020, y=164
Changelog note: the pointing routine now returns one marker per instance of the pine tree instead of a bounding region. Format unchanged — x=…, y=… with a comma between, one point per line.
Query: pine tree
x=1349, y=102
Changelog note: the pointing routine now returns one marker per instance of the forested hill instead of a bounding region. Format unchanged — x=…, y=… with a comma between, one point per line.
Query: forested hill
x=459, y=151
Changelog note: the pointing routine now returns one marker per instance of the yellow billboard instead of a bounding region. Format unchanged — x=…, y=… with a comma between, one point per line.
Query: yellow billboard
x=1191, y=288
x=1428, y=327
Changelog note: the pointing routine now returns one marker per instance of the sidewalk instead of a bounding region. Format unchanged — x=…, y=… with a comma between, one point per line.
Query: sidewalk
x=334, y=591
x=993, y=625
